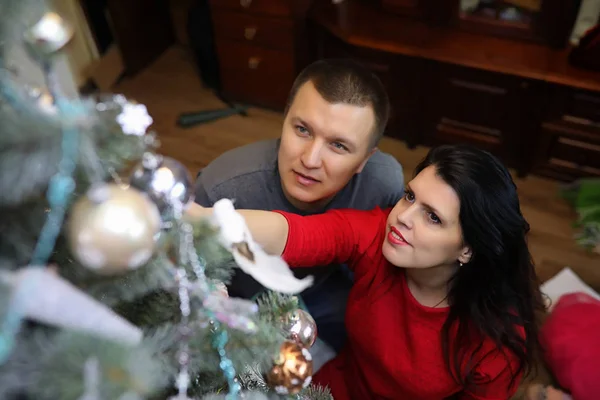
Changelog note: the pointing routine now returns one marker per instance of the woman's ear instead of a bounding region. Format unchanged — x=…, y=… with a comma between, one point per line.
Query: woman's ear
x=465, y=255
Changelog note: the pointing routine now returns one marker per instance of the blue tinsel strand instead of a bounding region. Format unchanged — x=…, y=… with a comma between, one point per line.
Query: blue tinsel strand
x=60, y=188
x=220, y=337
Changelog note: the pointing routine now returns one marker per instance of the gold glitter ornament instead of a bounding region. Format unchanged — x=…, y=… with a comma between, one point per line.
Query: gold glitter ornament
x=113, y=229
x=293, y=369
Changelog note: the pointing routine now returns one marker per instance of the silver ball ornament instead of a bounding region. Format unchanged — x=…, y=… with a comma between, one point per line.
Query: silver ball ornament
x=50, y=34
x=113, y=228
x=300, y=327
x=166, y=181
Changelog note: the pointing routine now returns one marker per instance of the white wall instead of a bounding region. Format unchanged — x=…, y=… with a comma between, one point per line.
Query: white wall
x=29, y=73
x=81, y=51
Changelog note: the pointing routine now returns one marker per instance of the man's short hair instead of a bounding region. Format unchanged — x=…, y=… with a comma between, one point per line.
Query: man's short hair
x=348, y=82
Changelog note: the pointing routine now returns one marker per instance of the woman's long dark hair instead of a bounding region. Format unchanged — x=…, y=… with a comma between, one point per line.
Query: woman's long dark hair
x=496, y=294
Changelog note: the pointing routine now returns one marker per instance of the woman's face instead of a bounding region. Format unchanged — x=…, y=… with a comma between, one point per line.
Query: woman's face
x=423, y=229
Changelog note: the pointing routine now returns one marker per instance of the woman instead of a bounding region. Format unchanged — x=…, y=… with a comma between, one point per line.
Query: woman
x=445, y=293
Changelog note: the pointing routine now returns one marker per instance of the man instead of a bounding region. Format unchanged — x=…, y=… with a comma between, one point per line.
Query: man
x=325, y=159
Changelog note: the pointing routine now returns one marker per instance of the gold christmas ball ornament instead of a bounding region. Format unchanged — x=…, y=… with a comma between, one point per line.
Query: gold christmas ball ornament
x=293, y=369
x=300, y=327
x=113, y=229
x=50, y=34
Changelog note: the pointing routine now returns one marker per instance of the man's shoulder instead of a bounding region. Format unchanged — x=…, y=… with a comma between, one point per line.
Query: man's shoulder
x=382, y=160
x=382, y=169
x=254, y=158
x=379, y=184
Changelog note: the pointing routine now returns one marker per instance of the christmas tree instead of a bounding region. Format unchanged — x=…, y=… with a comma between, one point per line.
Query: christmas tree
x=107, y=290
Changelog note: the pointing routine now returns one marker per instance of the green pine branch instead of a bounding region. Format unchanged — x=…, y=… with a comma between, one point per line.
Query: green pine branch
x=273, y=305
x=584, y=196
x=48, y=363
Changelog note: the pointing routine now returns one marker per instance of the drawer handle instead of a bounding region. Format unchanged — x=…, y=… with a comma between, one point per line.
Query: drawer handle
x=572, y=165
x=482, y=130
x=249, y=33
x=245, y=3
x=253, y=62
x=587, y=97
x=579, y=144
x=480, y=87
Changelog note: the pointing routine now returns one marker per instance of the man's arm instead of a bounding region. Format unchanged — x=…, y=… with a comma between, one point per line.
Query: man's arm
x=269, y=229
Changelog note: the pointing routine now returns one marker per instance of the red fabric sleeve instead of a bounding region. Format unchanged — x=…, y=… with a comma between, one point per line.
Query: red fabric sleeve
x=494, y=377
x=337, y=236
x=571, y=340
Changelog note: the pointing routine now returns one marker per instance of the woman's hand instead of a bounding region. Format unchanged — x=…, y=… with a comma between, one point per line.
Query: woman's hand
x=195, y=212
x=269, y=229
x=541, y=392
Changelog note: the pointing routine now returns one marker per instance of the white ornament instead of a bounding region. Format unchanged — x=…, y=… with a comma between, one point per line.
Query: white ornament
x=63, y=305
x=134, y=119
x=270, y=271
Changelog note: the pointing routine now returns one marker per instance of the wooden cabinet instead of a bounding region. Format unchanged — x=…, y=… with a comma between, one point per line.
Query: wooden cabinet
x=569, y=140
x=519, y=99
x=544, y=21
x=259, y=47
x=453, y=74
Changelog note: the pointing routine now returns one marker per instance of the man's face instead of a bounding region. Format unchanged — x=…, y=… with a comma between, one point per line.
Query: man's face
x=322, y=146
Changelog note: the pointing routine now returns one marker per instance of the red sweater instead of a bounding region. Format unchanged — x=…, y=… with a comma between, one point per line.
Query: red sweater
x=394, y=346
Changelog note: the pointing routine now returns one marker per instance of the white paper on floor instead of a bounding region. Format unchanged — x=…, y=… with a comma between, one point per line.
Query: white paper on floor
x=565, y=282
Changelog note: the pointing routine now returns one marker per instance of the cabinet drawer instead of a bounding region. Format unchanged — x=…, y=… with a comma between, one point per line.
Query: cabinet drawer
x=571, y=104
x=255, y=74
x=582, y=153
x=450, y=131
x=276, y=33
x=569, y=151
x=473, y=106
x=280, y=8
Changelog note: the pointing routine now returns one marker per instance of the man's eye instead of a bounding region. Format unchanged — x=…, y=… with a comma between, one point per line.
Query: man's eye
x=302, y=130
x=339, y=146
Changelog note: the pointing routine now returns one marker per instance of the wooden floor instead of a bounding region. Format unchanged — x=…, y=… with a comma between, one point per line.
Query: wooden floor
x=171, y=86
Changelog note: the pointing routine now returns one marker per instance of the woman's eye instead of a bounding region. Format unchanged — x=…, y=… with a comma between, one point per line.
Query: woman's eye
x=409, y=197
x=434, y=218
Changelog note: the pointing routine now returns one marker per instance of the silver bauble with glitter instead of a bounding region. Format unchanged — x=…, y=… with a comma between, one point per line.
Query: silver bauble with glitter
x=300, y=327
x=166, y=181
x=113, y=229
x=50, y=34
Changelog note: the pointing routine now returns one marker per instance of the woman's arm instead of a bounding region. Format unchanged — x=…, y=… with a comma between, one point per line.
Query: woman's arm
x=269, y=229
